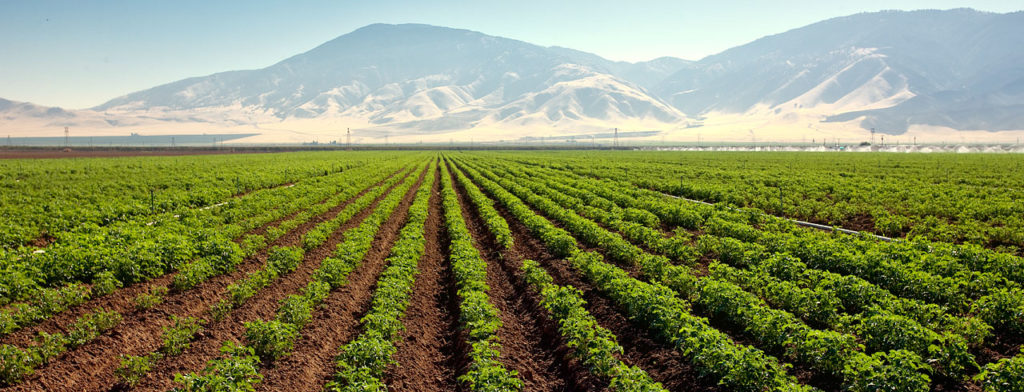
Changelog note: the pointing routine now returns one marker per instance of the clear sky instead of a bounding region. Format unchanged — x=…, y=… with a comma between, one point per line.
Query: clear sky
x=81, y=53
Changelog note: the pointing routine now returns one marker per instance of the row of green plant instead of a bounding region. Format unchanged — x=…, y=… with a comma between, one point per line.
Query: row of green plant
x=940, y=258
x=47, y=199
x=280, y=261
x=856, y=293
x=17, y=363
x=273, y=339
x=947, y=198
x=478, y=316
x=596, y=347
x=220, y=254
x=828, y=352
x=363, y=361
x=655, y=306
x=878, y=330
x=968, y=279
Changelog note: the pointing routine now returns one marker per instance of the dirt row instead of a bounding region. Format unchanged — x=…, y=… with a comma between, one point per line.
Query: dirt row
x=430, y=353
x=531, y=343
x=91, y=366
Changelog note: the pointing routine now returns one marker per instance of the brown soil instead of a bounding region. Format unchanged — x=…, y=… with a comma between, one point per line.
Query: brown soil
x=860, y=222
x=43, y=240
x=530, y=342
x=429, y=352
x=91, y=367
x=312, y=361
x=661, y=361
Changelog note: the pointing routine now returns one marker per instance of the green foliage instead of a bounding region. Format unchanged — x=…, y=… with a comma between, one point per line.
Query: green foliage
x=105, y=283
x=362, y=361
x=133, y=368
x=479, y=318
x=15, y=364
x=271, y=340
x=237, y=371
x=91, y=325
x=1005, y=375
x=178, y=336
x=151, y=298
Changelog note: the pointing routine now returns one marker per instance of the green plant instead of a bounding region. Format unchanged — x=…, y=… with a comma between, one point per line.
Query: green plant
x=105, y=283
x=237, y=371
x=177, y=336
x=271, y=340
x=151, y=298
x=134, y=367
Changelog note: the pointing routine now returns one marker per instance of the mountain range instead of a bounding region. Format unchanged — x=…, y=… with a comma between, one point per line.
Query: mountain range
x=919, y=74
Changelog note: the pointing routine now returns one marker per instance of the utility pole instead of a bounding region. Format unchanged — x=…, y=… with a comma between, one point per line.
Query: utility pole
x=616, y=138
x=348, y=136
x=873, y=136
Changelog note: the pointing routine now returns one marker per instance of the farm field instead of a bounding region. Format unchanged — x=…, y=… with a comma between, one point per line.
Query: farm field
x=506, y=271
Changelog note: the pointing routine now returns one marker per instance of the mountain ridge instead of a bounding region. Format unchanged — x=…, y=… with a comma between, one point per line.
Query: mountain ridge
x=900, y=72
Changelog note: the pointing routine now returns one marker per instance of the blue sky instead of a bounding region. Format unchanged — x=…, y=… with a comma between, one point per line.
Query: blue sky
x=81, y=53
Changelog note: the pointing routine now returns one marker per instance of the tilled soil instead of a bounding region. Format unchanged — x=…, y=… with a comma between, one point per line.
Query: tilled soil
x=431, y=350
x=661, y=361
x=530, y=342
x=311, y=363
x=91, y=367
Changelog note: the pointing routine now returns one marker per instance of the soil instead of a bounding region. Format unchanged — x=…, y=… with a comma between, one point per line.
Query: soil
x=530, y=342
x=430, y=350
x=311, y=363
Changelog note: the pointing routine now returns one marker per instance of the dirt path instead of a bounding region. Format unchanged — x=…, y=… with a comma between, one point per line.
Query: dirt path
x=337, y=322
x=664, y=363
x=430, y=352
x=531, y=344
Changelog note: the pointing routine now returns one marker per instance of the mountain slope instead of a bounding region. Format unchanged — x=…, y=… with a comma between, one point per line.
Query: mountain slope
x=408, y=76
x=893, y=69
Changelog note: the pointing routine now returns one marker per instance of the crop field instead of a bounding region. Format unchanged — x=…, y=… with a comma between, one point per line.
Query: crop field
x=512, y=271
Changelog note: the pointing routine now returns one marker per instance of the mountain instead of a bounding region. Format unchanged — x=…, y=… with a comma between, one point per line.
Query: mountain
x=425, y=78
x=961, y=69
x=933, y=75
